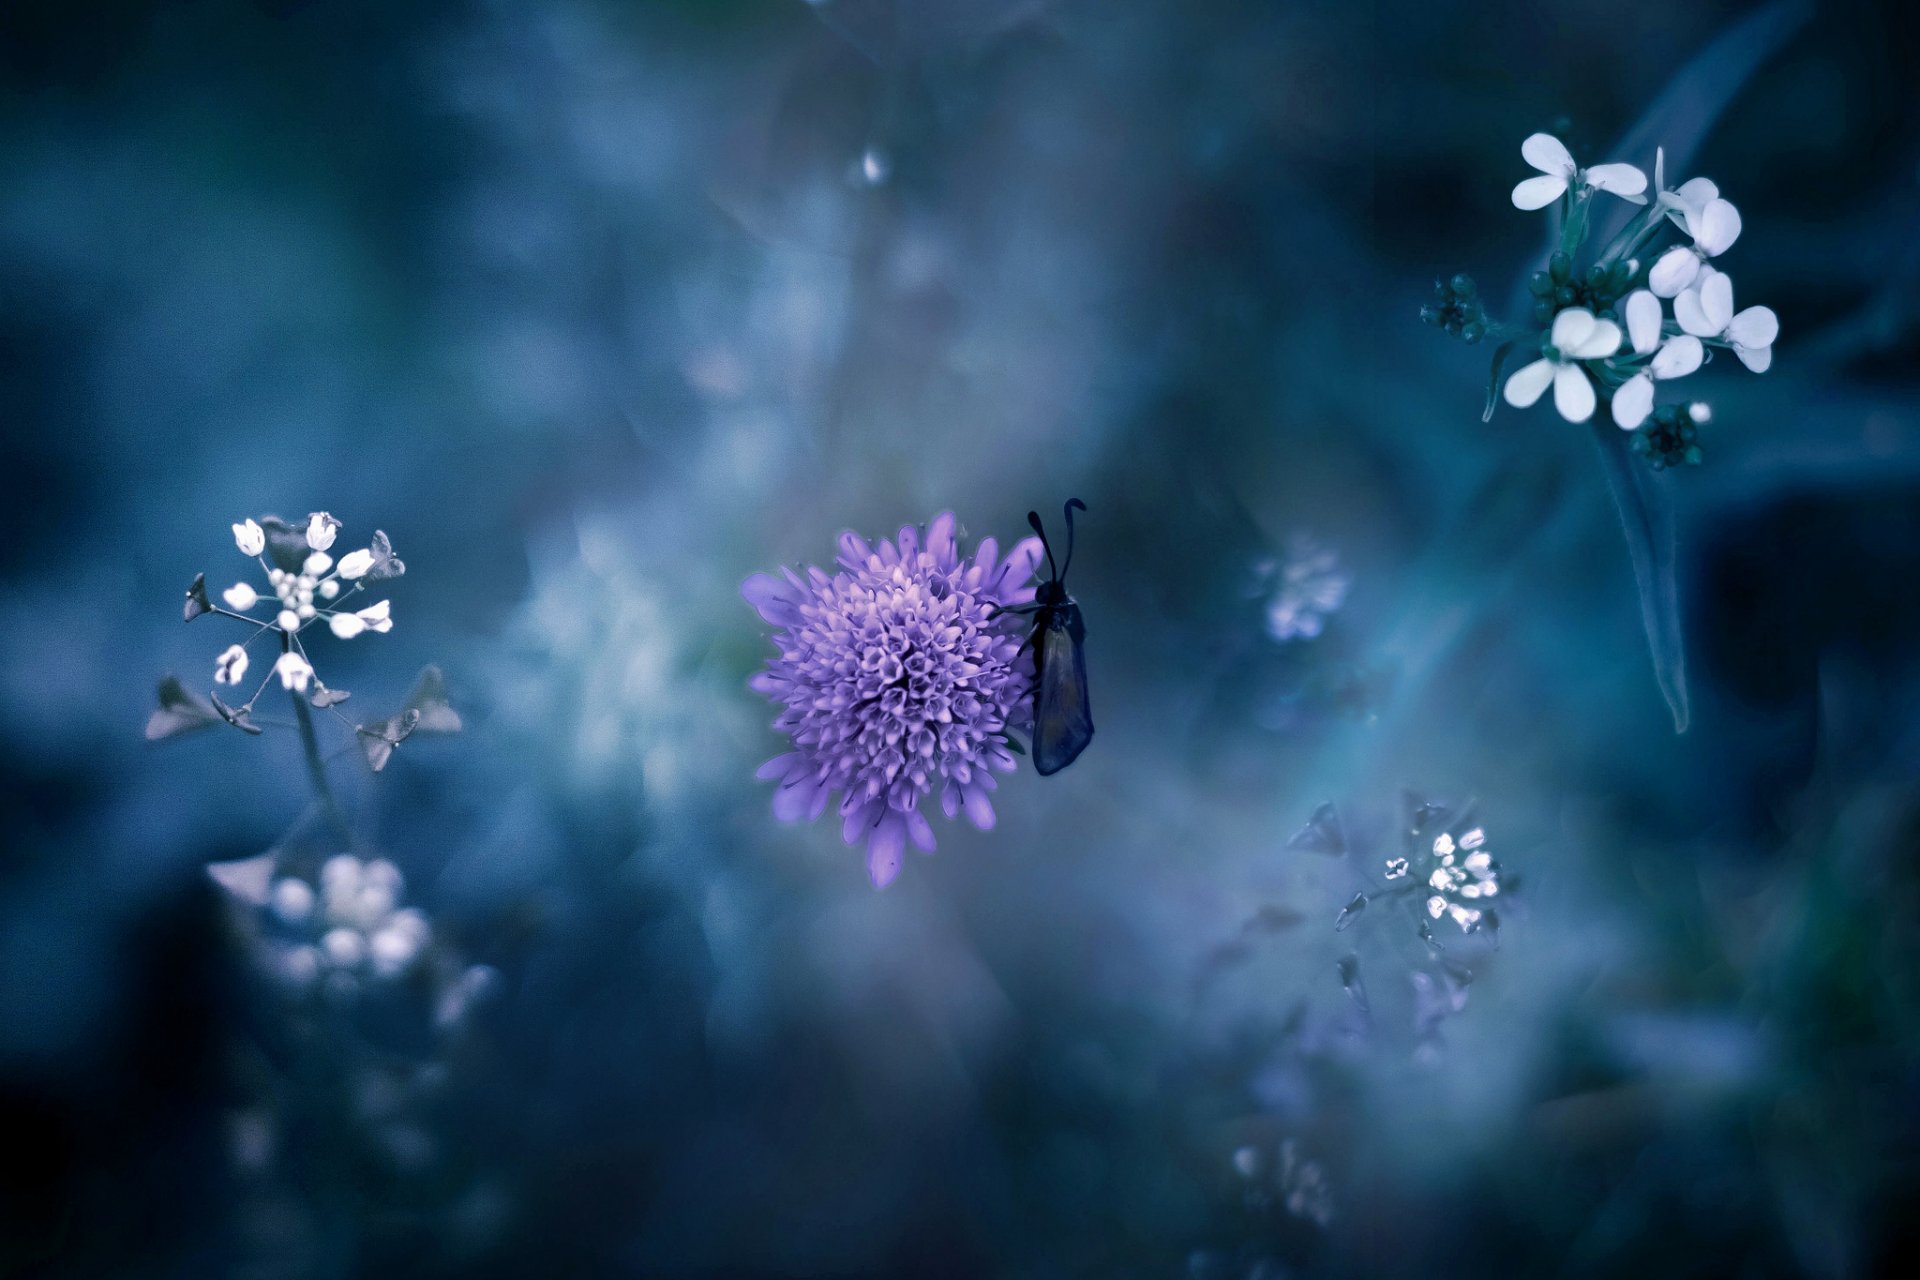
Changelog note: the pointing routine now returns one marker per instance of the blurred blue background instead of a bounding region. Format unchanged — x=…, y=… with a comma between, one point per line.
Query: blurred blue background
x=598, y=307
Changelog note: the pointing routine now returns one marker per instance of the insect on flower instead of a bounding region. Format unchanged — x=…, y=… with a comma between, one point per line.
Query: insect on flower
x=1062, y=717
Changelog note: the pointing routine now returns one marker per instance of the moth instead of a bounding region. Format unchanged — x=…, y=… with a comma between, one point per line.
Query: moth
x=1062, y=718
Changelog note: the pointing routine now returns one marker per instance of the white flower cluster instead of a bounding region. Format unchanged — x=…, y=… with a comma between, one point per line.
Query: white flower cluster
x=351, y=925
x=1583, y=345
x=310, y=586
x=1458, y=872
x=1303, y=589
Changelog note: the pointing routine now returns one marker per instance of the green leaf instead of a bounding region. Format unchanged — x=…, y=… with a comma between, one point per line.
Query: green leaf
x=1646, y=517
x=180, y=711
x=1493, y=378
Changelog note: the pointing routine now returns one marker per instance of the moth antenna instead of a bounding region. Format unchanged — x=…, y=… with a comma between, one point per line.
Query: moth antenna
x=1033, y=518
x=1068, y=509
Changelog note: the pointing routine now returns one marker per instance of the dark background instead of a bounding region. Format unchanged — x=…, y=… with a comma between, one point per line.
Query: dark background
x=597, y=308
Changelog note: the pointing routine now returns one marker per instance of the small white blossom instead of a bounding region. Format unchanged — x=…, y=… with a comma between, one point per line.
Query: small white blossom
x=231, y=665
x=1558, y=172
x=1396, y=867
x=346, y=625
x=1707, y=312
x=328, y=589
x=240, y=597
x=250, y=538
x=317, y=564
x=355, y=564
x=294, y=671
x=322, y=529
x=377, y=617
x=292, y=899
x=287, y=620
x=1576, y=335
x=1714, y=226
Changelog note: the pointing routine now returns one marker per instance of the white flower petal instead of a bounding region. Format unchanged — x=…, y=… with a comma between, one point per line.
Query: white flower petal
x=1633, y=402
x=1755, y=327
x=1674, y=271
x=1524, y=386
x=1757, y=360
x=1696, y=192
x=346, y=625
x=378, y=617
x=1538, y=193
x=1603, y=341
x=1547, y=154
x=1643, y=320
x=355, y=564
x=250, y=538
x=1622, y=180
x=1715, y=227
x=1571, y=327
x=1572, y=393
x=287, y=620
x=317, y=564
x=322, y=529
x=1660, y=169
x=1716, y=300
x=240, y=597
x=1692, y=316
x=1680, y=357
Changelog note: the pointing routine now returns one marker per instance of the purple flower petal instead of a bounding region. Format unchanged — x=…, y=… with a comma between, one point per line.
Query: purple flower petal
x=884, y=848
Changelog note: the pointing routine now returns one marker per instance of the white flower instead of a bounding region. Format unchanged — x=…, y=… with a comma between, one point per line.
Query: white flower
x=1576, y=336
x=328, y=589
x=240, y=597
x=355, y=564
x=346, y=625
x=250, y=538
x=294, y=671
x=1707, y=312
x=230, y=666
x=317, y=565
x=377, y=616
x=1436, y=905
x=292, y=899
x=1714, y=226
x=1679, y=356
x=1550, y=156
x=322, y=529
x=1396, y=867
x=287, y=620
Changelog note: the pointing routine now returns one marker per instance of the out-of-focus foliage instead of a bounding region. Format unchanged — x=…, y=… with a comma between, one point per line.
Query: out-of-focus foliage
x=600, y=307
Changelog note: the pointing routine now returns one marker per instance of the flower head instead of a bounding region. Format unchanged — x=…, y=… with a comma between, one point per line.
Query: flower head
x=1576, y=335
x=1558, y=172
x=898, y=673
x=1460, y=876
x=1706, y=311
x=1306, y=587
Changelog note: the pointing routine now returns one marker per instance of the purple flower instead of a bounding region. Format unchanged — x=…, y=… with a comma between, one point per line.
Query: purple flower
x=896, y=674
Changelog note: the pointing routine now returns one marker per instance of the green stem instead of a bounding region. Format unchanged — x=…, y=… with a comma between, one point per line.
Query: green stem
x=1573, y=230
x=316, y=767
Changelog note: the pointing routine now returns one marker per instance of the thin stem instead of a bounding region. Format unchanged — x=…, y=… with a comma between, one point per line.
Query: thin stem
x=316, y=767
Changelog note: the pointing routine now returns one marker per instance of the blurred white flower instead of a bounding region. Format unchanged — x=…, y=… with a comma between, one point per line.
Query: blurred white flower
x=1558, y=172
x=250, y=538
x=1308, y=586
x=294, y=671
x=240, y=597
x=230, y=666
x=1707, y=312
x=1576, y=335
x=355, y=564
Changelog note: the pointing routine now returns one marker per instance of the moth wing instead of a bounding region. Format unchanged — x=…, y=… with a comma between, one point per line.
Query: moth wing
x=1062, y=718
